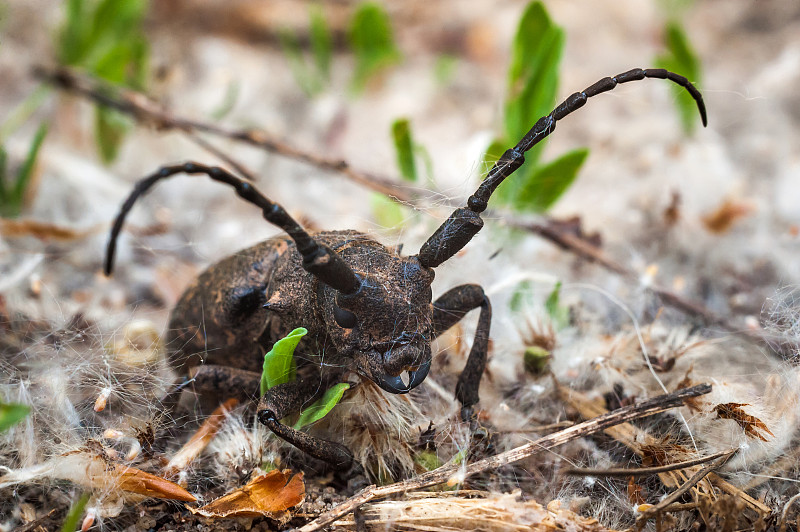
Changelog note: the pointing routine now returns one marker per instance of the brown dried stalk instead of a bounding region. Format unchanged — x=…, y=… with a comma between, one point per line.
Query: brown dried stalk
x=446, y=472
x=645, y=471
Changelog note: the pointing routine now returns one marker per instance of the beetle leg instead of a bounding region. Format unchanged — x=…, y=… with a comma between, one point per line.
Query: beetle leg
x=447, y=311
x=225, y=381
x=286, y=399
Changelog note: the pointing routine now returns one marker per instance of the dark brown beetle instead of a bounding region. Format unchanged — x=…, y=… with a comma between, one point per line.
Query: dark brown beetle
x=368, y=309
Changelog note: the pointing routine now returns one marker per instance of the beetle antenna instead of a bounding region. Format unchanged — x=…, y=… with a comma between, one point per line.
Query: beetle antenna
x=465, y=222
x=318, y=259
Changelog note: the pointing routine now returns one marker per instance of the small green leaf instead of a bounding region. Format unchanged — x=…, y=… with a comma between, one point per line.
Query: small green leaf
x=371, y=39
x=321, y=42
x=535, y=359
x=110, y=129
x=428, y=460
x=321, y=407
x=11, y=414
x=681, y=58
x=557, y=313
x=5, y=189
x=388, y=213
x=445, y=68
x=518, y=297
x=545, y=184
x=75, y=513
x=279, y=364
x=404, y=149
x=25, y=171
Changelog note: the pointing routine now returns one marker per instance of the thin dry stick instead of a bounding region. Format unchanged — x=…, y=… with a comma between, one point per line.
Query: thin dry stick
x=689, y=484
x=146, y=110
x=446, y=472
x=644, y=471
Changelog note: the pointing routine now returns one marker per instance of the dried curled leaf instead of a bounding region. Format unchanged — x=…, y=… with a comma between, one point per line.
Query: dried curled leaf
x=143, y=483
x=750, y=424
x=269, y=495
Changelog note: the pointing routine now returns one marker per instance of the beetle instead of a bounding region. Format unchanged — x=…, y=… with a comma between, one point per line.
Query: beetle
x=369, y=309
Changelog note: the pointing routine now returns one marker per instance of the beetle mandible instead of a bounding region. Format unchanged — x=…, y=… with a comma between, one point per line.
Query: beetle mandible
x=369, y=309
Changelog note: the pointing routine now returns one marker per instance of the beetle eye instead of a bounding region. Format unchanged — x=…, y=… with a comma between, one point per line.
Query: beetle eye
x=344, y=318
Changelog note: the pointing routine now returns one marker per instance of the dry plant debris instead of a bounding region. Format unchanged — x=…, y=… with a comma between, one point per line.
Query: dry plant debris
x=751, y=424
x=268, y=495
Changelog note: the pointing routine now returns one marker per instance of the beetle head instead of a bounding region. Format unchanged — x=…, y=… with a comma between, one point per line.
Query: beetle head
x=386, y=325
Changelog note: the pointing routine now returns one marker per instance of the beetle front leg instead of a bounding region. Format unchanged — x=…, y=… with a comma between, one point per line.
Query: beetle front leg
x=447, y=311
x=286, y=399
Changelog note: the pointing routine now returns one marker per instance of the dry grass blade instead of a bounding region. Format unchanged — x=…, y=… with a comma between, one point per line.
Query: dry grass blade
x=444, y=473
x=143, y=483
x=644, y=471
x=42, y=230
x=200, y=439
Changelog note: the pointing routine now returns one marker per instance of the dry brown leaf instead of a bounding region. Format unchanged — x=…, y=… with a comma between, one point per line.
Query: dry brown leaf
x=724, y=216
x=269, y=495
x=200, y=439
x=41, y=230
x=138, y=481
x=750, y=424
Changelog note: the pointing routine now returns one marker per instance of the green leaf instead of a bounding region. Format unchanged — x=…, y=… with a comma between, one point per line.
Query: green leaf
x=371, y=39
x=542, y=186
x=110, y=127
x=533, y=74
x=321, y=407
x=72, y=40
x=279, y=364
x=681, y=58
x=388, y=213
x=75, y=513
x=4, y=186
x=557, y=313
x=11, y=414
x=428, y=460
x=404, y=148
x=321, y=42
x=26, y=170
x=535, y=359
x=519, y=296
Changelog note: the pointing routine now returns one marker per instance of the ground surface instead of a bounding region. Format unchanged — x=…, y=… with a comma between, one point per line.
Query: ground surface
x=745, y=162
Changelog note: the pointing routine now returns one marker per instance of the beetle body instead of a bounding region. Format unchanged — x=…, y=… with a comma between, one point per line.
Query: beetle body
x=237, y=308
x=367, y=309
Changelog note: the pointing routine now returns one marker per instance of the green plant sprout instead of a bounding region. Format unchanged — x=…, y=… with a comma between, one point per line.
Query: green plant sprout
x=75, y=512
x=311, y=75
x=12, y=190
x=105, y=38
x=11, y=414
x=681, y=58
x=371, y=39
x=532, y=86
x=280, y=367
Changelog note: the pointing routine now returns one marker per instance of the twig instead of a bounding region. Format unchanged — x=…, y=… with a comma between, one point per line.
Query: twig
x=644, y=471
x=444, y=473
x=146, y=110
x=689, y=484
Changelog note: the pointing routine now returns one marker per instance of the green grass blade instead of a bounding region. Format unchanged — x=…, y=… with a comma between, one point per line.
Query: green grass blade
x=320, y=408
x=26, y=170
x=110, y=128
x=4, y=185
x=11, y=414
x=388, y=213
x=72, y=39
x=681, y=58
x=75, y=513
x=321, y=42
x=279, y=364
x=546, y=183
x=371, y=38
x=404, y=149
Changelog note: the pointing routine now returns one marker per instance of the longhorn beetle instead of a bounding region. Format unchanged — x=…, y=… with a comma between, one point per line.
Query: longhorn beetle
x=367, y=308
